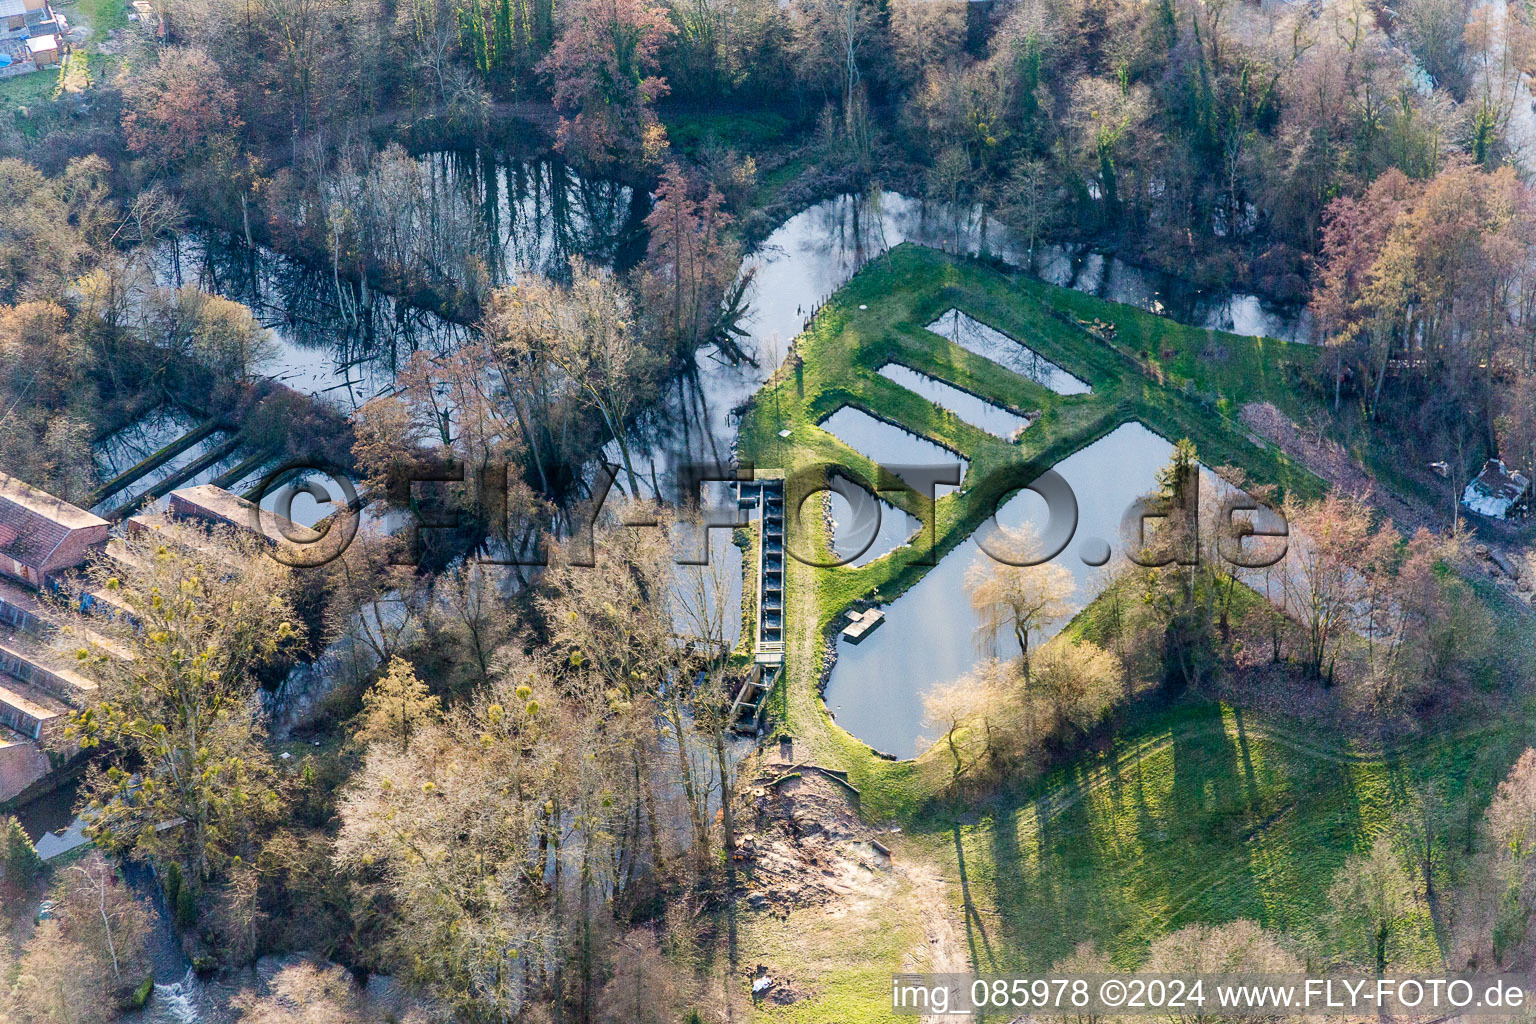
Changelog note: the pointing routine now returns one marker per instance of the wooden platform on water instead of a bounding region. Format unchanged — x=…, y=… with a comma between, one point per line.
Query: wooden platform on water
x=861, y=624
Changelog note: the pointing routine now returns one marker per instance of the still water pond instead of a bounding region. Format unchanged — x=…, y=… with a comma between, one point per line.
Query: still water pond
x=990, y=343
x=886, y=444
x=536, y=215
x=976, y=411
x=122, y=450
x=856, y=536
x=344, y=344
x=329, y=338
x=930, y=633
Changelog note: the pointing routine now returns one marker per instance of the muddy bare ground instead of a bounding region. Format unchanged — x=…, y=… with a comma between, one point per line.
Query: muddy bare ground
x=803, y=848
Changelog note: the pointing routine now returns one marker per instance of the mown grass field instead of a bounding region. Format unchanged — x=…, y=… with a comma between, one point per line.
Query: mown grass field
x=84, y=68
x=1191, y=814
x=29, y=90
x=1202, y=814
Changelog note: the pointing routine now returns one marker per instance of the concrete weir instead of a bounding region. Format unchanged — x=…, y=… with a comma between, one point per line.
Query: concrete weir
x=766, y=492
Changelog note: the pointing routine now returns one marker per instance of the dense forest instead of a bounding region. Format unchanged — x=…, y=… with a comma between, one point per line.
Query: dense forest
x=1345, y=155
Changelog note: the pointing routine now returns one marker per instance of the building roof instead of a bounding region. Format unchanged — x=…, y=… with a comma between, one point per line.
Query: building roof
x=236, y=511
x=11, y=8
x=34, y=523
x=42, y=44
x=218, y=501
x=40, y=502
x=1495, y=490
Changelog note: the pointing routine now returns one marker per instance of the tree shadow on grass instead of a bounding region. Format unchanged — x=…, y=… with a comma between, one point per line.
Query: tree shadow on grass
x=1128, y=845
x=974, y=926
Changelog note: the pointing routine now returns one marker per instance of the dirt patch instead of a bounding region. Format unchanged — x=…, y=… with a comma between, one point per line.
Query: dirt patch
x=805, y=855
x=114, y=42
x=943, y=949
x=801, y=844
x=775, y=988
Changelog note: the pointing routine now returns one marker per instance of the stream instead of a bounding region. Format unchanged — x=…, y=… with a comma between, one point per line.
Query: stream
x=180, y=997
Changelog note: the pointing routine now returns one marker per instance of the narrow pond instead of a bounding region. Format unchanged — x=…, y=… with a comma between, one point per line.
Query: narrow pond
x=990, y=343
x=886, y=444
x=856, y=537
x=121, y=451
x=973, y=409
x=142, y=486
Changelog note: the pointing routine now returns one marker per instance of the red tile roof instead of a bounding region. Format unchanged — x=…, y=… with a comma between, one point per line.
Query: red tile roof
x=34, y=523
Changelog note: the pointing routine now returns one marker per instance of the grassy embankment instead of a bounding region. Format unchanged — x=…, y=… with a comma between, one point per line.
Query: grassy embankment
x=836, y=363
x=1198, y=813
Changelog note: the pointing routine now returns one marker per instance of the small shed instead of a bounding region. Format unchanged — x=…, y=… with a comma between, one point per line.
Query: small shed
x=1498, y=493
x=13, y=16
x=44, y=50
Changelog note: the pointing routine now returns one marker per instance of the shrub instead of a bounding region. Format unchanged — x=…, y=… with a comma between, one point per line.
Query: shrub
x=173, y=885
x=17, y=855
x=186, y=908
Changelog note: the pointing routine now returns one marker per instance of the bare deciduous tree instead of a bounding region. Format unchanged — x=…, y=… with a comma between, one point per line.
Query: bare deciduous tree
x=1016, y=598
x=1371, y=898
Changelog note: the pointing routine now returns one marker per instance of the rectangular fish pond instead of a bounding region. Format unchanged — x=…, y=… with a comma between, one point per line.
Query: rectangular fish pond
x=973, y=409
x=990, y=343
x=175, y=467
x=930, y=636
x=887, y=444
x=855, y=534
x=121, y=450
